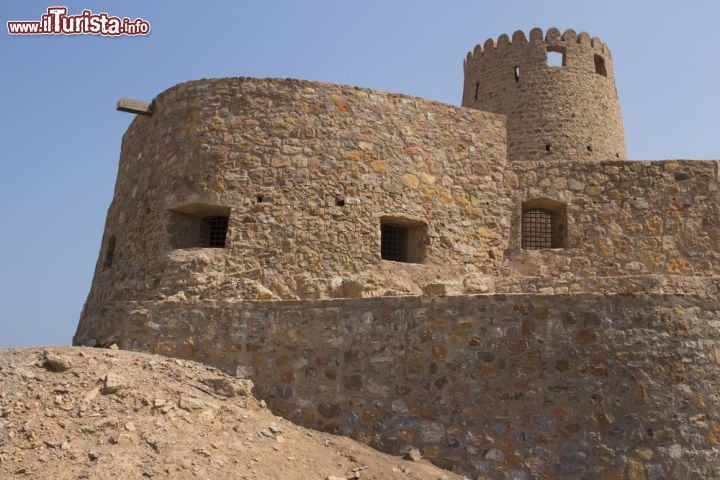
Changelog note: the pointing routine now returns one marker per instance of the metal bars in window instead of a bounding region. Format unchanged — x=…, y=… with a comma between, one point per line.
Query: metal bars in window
x=213, y=231
x=537, y=229
x=393, y=242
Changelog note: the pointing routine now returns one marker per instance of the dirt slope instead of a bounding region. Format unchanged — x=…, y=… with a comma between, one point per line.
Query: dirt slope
x=96, y=414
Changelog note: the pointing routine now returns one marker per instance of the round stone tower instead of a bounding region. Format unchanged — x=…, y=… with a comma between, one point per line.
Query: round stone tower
x=558, y=94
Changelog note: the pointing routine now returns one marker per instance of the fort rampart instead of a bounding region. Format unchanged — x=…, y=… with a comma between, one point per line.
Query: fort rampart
x=526, y=386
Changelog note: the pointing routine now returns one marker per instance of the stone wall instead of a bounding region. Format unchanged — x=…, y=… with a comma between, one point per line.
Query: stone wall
x=306, y=172
x=498, y=386
x=568, y=113
x=629, y=223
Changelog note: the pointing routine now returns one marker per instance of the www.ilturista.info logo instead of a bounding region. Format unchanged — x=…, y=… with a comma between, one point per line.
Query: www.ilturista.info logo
x=57, y=22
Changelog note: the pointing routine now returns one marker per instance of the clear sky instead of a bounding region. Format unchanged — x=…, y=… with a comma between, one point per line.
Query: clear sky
x=60, y=134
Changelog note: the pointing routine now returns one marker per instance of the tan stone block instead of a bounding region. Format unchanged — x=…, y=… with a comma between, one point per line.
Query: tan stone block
x=676, y=266
x=355, y=155
x=714, y=433
x=593, y=190
x=444, y=196
x=635, y=470
x=280, y=162
x=487, y=233
x=380, y=166
x=410, y=180
x=427, y=191
x=290, y=150
x=427, y=178
x=644, y=453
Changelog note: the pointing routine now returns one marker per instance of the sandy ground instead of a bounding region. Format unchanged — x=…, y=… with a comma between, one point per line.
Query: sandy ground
x=74, y=413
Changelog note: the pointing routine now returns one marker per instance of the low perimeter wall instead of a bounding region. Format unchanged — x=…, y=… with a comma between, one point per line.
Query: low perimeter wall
x=585, y=386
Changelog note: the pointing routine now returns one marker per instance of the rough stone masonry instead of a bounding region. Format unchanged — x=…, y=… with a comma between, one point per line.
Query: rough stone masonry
x=493, y=284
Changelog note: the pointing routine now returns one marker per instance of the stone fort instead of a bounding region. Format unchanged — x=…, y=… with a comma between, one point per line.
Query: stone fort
x=494, y=284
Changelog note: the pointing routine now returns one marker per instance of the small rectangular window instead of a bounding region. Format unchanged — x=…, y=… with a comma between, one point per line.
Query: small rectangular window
x=516, y=72
x=213, y=231
x=393, y=242
x=198, y=225
x=544, y=224
x=600, y=65
x=555, y=56
x=403, y=240
x=536, y=229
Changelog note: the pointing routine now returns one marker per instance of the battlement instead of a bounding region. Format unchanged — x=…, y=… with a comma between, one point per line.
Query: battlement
x=552, y=37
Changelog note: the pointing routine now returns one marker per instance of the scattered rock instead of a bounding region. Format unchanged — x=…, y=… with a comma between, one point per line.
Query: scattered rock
x=413, y=455
x=112, y=383
x=57, y=363
x=191, y=403
x=229, y=387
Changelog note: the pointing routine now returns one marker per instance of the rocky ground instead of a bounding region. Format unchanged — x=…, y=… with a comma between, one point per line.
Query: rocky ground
x=96, y=413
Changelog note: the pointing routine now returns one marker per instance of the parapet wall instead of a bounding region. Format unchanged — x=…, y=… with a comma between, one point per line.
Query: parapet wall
x=505, y=386
x=566, y=113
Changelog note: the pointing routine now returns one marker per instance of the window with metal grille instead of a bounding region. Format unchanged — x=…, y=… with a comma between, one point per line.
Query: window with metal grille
x=537, y=229
x=213, y=231
x=393, y=242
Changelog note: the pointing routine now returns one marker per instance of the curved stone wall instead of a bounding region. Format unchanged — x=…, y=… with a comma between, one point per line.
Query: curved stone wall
x=306, y=173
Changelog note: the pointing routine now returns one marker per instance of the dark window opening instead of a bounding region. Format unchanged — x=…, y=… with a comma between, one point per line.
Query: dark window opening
x=259, y=199
x=109, y=253
x=393, y=242
x=477, y=87
x=555, y=56
x=403, y=240
x=547, y=147
x=340, y=202
x=544, y=224
x=589, y=148
x=600, y=65
x=516, y=72
x=198, y=225
x=213, y=231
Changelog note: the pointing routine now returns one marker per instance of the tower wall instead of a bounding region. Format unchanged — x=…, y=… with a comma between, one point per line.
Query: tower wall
x=305, y=173
x=568, y=113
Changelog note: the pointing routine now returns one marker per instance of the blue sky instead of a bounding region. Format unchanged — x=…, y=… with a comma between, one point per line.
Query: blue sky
x=60, y=134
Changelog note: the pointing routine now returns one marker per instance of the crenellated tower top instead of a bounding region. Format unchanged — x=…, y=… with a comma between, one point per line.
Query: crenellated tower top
x=556, y=90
